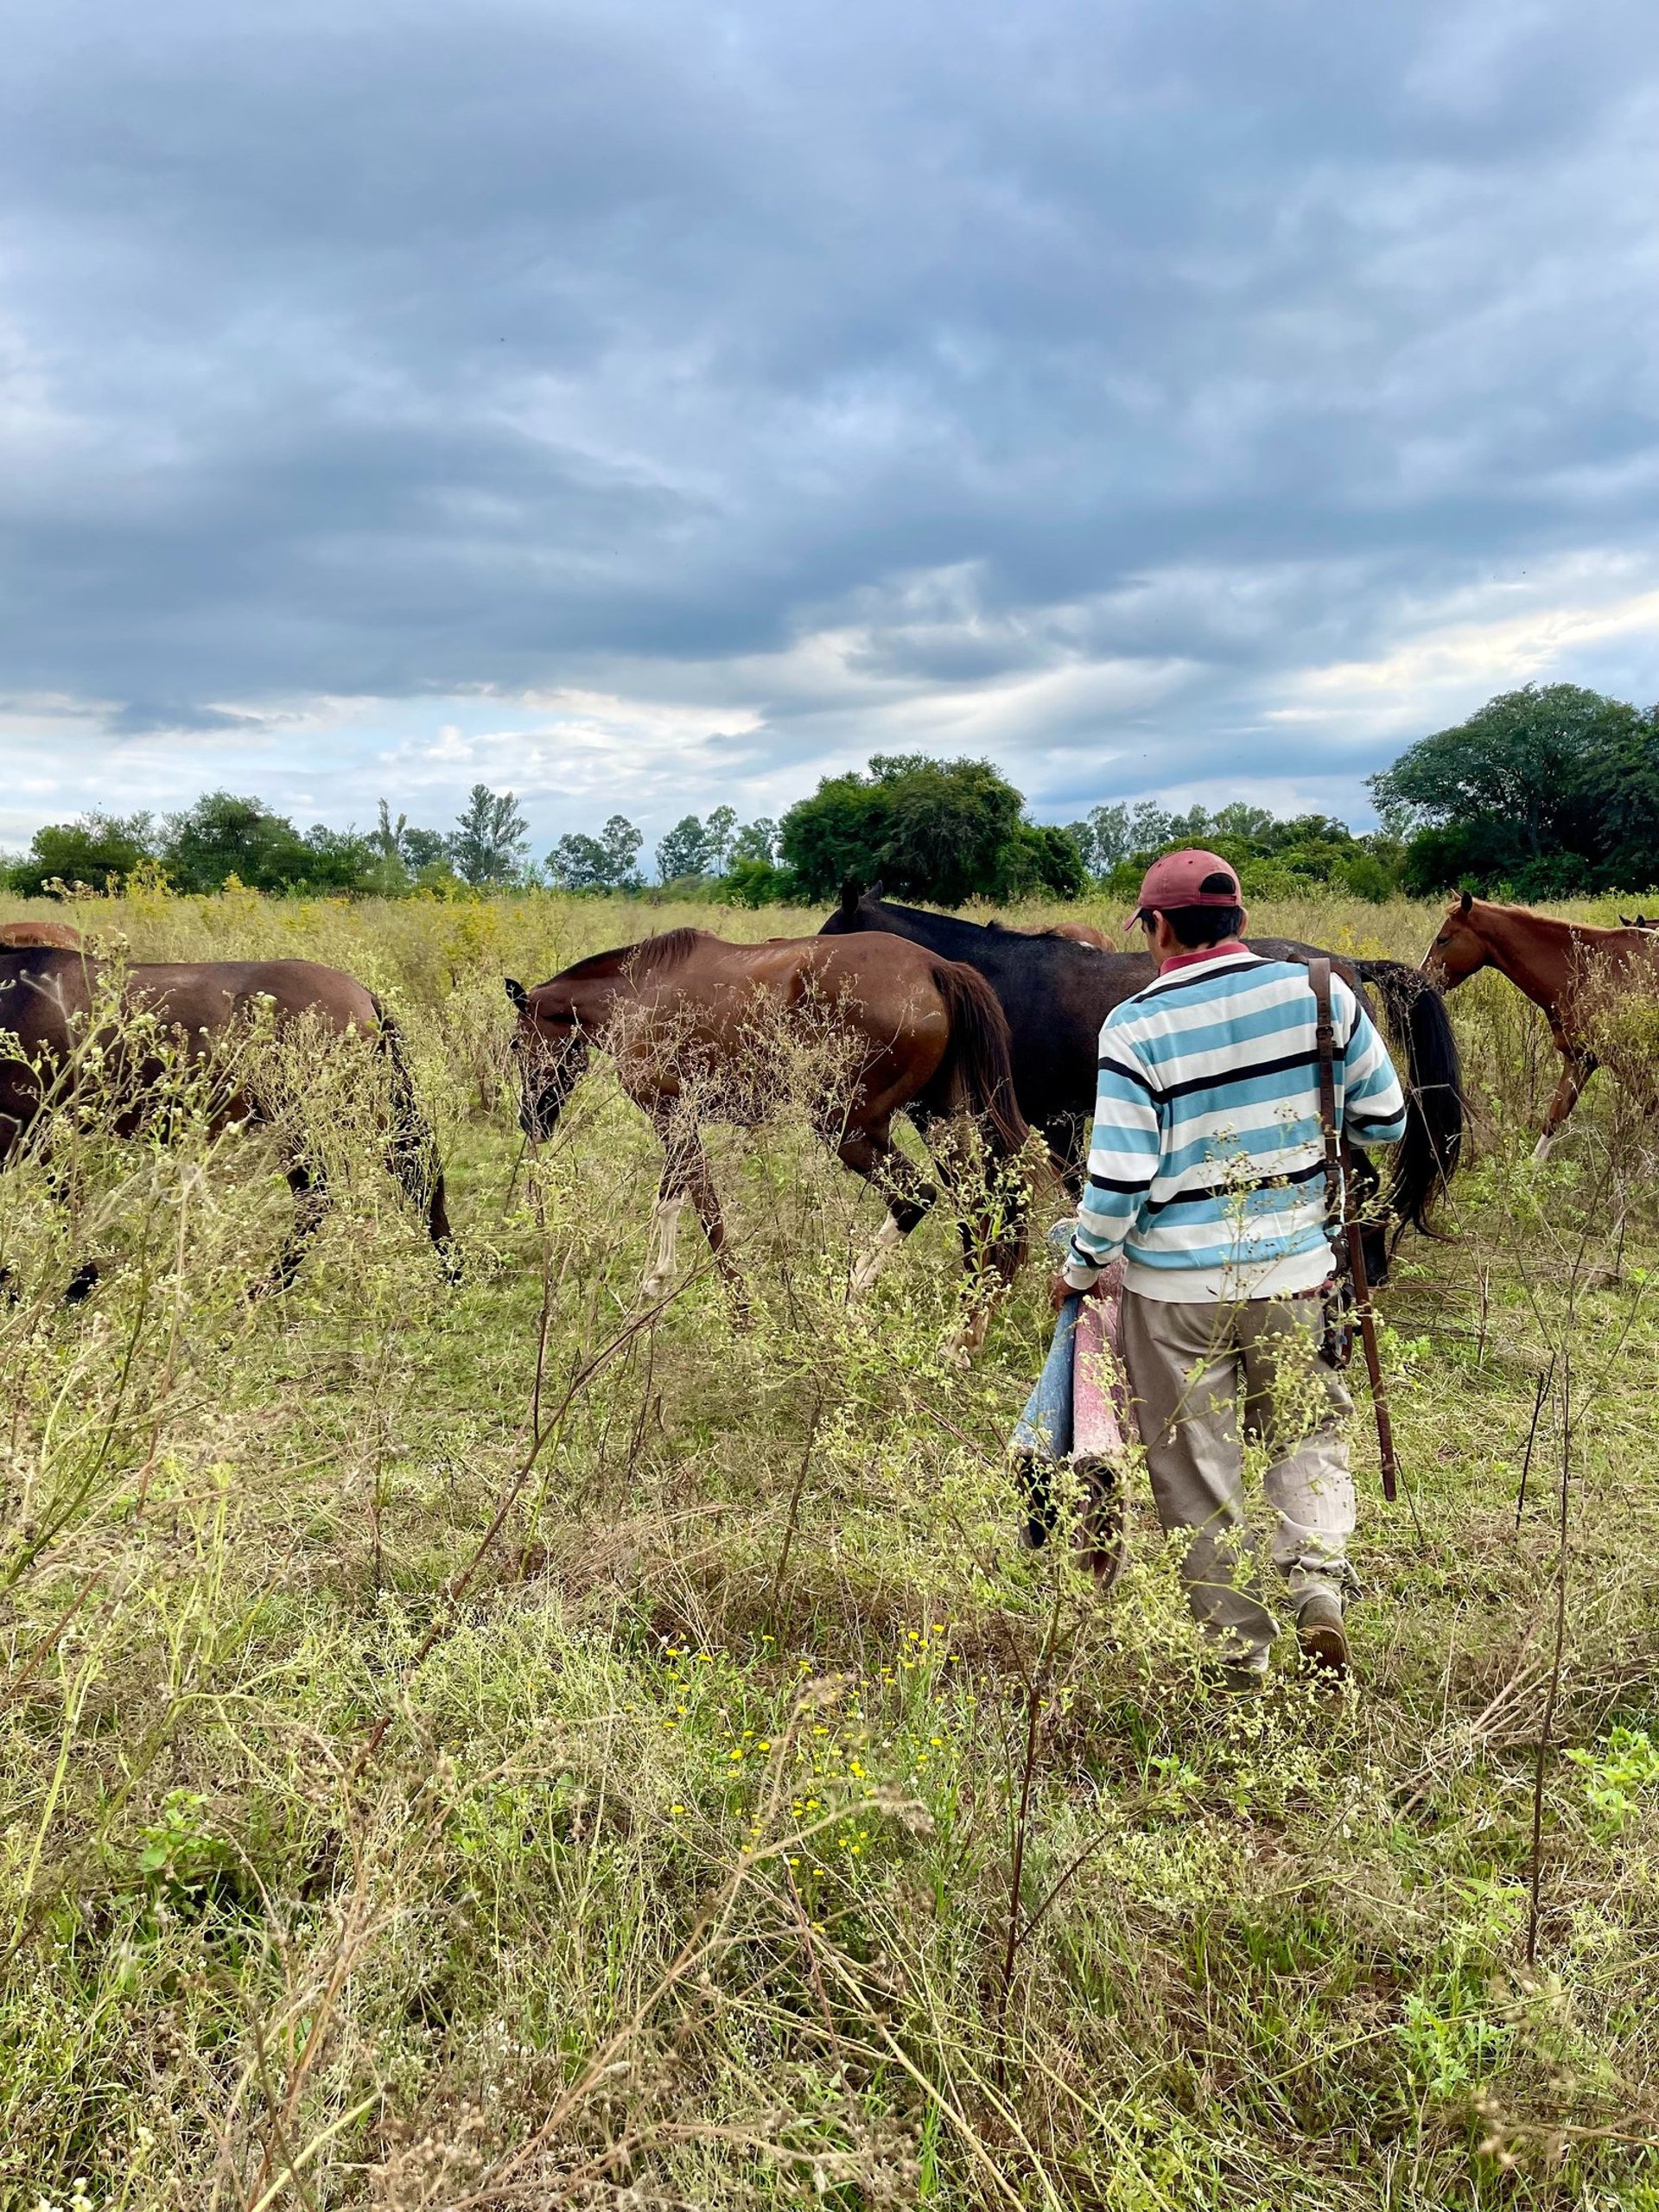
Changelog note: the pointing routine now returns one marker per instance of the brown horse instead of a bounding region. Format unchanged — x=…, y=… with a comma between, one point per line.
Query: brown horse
x=16, y=936
x=1079, y=933
x=686, y=1016
x=47, y=1002
x=1572, y=970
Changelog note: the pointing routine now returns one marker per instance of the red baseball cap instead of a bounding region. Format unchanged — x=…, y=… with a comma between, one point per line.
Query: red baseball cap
x=1193, y=878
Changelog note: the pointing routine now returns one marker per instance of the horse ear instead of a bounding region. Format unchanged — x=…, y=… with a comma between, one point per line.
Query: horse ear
x=876, y=889
x=1466, y=902
x=517, y=992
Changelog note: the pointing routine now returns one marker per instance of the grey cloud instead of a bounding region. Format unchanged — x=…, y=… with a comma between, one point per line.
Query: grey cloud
x=142, y=718
x=401, y=352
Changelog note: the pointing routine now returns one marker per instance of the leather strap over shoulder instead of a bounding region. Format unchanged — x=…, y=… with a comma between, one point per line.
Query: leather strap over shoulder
x=1324, y=1038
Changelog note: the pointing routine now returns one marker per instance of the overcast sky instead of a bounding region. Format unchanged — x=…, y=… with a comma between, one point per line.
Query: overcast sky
x=644, y=404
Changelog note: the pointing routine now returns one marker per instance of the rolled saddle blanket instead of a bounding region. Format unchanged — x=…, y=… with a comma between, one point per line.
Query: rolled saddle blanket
x=1079, y=1415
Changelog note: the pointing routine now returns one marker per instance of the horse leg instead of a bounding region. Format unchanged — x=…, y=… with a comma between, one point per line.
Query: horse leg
x=687, y=1175
x=872, y=1153
x=993, y=1230
x=85, y=1279
x=1579, y=1067
x=438, y=1229
x=412, y=1161
x=311, y=1203
x=994, y=1227
x=411, y=1154
x=658, y=1277
x=873, y=1266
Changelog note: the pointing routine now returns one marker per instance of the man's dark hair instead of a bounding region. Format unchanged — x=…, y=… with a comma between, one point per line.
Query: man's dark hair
x=1199, y=926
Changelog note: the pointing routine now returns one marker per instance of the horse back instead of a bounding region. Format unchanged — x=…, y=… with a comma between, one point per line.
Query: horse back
x=16, y=937
x=203, y=997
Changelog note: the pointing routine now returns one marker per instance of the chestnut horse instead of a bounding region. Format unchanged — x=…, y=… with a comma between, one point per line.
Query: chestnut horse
x=684, y=1016
x=1572, y=970
x=47, y=998
x=14, y=936
x=1079, y=932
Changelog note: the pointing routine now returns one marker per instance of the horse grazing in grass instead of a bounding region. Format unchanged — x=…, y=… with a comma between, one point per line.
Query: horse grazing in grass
x=16, y=937
x=47, y=998
x=1575, y=972
x=687, y=1016
x=1056, y=994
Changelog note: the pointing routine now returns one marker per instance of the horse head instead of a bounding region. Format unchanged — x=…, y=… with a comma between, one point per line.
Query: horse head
x=1459, y=949
x=551, y=1051
x=858, y=910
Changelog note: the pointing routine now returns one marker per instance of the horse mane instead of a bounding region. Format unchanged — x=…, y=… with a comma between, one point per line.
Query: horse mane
x=1552, y=923
x=651, y=956
x=936, y=914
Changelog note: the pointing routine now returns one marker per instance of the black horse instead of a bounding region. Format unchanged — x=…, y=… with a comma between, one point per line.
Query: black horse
x=1056, y=993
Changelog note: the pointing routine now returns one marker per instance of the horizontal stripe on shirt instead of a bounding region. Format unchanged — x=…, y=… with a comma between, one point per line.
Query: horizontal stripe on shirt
x=1206, y=1162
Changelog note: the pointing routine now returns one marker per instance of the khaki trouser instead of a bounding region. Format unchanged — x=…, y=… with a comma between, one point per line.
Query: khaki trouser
x=1186, y=1364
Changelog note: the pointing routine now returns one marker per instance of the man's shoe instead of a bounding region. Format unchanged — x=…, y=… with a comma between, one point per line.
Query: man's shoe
x=1321, y=1634
x=1241, y=1681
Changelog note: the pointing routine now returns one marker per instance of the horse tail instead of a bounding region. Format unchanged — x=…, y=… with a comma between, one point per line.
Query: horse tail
x=412, y=1149
x=976, y=1063
x=1426, y=1156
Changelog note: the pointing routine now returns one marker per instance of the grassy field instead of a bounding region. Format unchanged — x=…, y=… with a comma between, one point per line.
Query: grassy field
x=748, y=1821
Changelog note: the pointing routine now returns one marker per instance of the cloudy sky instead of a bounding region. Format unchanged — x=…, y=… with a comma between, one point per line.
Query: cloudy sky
x=644, y=404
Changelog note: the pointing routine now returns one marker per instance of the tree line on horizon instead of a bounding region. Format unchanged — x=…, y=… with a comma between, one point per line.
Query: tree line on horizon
x=1543, y=792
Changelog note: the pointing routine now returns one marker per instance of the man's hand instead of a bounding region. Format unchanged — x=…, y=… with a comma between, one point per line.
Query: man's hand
x=1059, y=1290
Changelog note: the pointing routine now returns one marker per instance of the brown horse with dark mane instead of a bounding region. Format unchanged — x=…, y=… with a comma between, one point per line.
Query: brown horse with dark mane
x=1573, y=970
x=685, y=1016
x=16, y=937
x=47, y=997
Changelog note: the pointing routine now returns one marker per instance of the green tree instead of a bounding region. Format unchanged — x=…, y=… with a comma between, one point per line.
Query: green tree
x=687, y=850
x=222, y=836
x=403, y=851
x=606, y=862
x=488, y=842
x=756, y=841
x=720, y=833
x=424, y=850
x=336, y=860
x=753, y=882
x=1622, y=799
x=942, y=830
x=1546, y=789
x=838, y=836
x=93, y=850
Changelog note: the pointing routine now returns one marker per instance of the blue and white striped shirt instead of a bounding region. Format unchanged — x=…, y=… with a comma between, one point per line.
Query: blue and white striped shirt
x=1206, y=1168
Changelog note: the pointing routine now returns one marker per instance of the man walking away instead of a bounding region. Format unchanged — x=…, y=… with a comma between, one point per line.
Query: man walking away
x=1206, y=1174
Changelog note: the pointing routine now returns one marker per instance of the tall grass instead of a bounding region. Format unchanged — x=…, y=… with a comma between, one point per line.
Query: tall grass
x=659, y=1850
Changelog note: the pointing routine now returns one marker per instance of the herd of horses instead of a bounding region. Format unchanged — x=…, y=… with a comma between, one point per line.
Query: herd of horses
x=951, y=1023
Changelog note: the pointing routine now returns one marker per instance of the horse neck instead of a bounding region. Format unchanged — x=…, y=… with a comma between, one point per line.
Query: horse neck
x=938, y=933
x=591, y=998
x=1535, y=951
